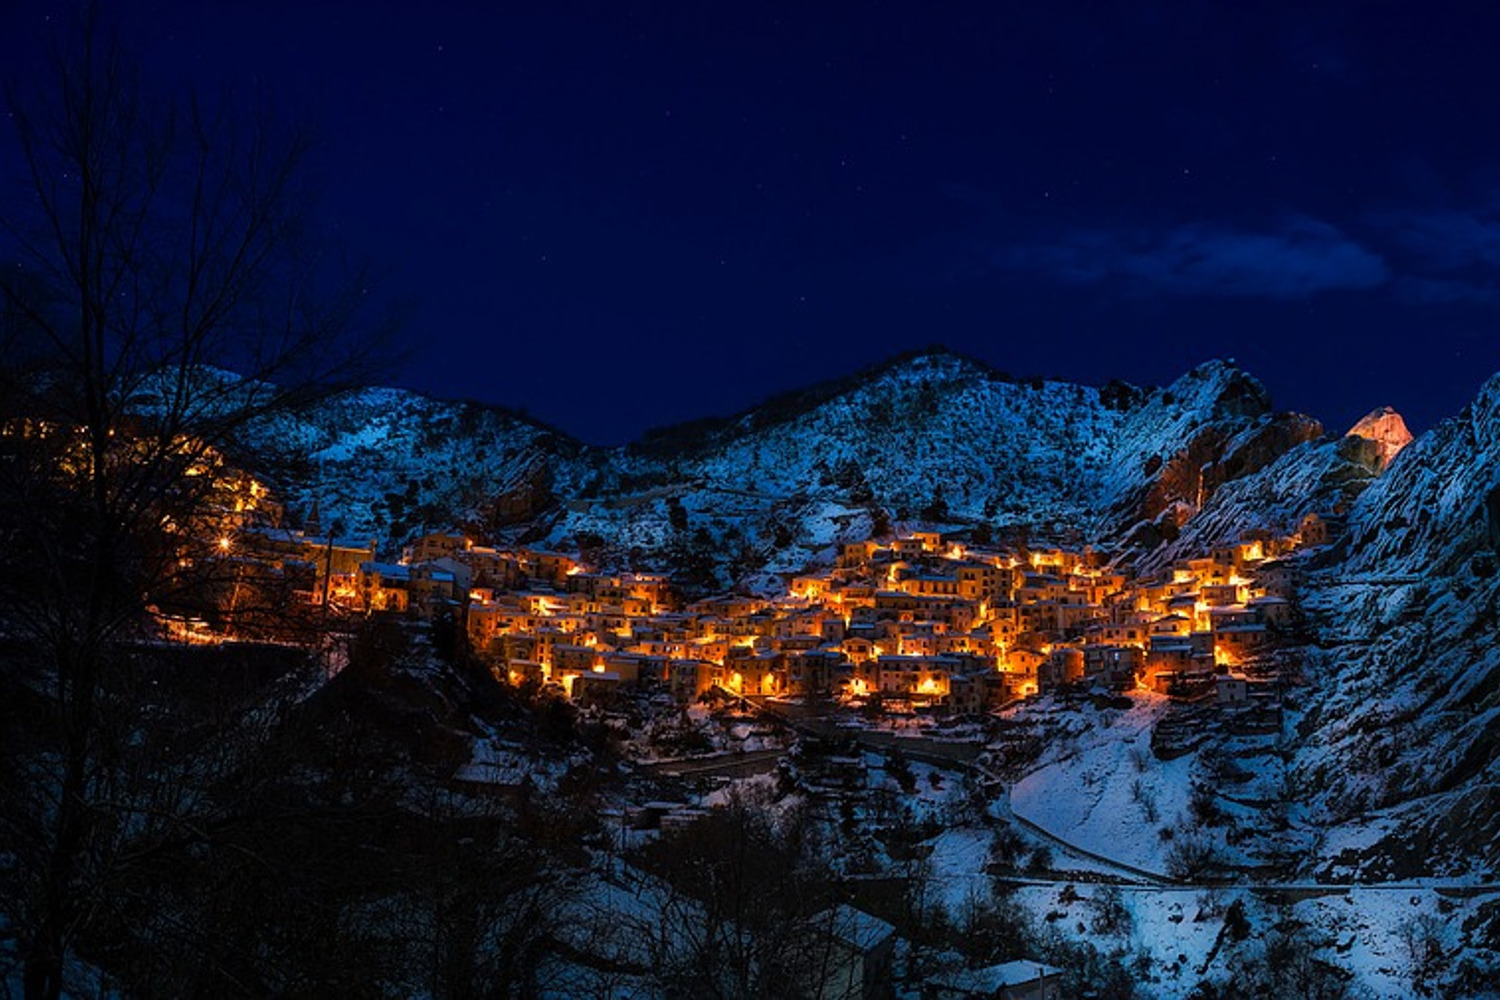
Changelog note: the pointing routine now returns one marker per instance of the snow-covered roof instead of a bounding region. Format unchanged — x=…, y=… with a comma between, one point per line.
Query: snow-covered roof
x=296, y=537
x=993, y=978
x=390, y=571
x=854, y=927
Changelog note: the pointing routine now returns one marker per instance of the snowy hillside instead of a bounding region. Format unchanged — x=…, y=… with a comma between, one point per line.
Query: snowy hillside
x=385, y=463
x=1399, y=741
x=931, y=438
x=1313, y=477
x=938, y=439
x=1211, y=427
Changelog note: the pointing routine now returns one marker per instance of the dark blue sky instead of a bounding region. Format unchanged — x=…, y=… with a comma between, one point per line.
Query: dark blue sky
x=624, y=215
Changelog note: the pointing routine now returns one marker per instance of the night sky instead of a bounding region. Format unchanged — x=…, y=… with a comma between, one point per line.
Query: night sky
x=627, y=215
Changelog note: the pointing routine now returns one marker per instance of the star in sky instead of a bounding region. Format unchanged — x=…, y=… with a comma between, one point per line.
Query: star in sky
x=618, y=216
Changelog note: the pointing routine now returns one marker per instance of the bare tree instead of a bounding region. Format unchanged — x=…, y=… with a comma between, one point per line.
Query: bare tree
x=744, y=885
x=152, y=248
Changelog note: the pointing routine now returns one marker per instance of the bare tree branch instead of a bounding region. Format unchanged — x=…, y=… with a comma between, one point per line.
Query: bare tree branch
x=152, y=250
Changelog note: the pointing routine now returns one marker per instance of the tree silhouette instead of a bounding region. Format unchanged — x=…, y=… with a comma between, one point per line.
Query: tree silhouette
x=152, y=247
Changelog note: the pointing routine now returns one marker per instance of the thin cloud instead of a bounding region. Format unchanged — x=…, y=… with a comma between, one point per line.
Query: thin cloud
x=1446, y=291
x=1446, y=256
x=1300, y=258
x=1445, y=240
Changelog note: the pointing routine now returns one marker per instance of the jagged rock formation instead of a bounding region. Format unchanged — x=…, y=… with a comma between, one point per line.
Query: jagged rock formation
x=1386, y=430
x=1400, y=741
x=1316, y=476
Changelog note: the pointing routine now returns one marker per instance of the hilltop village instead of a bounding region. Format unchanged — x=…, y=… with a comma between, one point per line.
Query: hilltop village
x=925, y=622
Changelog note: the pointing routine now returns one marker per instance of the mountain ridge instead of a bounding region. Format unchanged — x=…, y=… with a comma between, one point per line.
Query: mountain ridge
x=929, y=435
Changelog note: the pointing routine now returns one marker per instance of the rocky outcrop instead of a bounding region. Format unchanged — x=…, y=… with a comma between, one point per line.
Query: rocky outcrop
x=1386, y=430
x=1212, y=427
x=1399, y=730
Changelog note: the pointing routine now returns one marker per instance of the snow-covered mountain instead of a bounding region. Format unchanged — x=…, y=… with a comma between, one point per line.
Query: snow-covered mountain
x=929, y=437
x=386, y=463
x=1400, y=740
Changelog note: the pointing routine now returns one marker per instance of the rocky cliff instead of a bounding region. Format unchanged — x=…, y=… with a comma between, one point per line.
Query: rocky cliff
x=1400, y=741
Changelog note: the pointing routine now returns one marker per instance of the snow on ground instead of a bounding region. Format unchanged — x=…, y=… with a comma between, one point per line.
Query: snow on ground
x=623, y=920
x=1176, y=928
x=1106, y=794
x=493, y=762
x=936, y=793
x=1357, y=835
x=956, y=866
x=1170, y=934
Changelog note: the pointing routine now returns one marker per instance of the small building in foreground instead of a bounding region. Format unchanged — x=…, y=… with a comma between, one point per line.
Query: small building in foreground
x=1017, y=980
